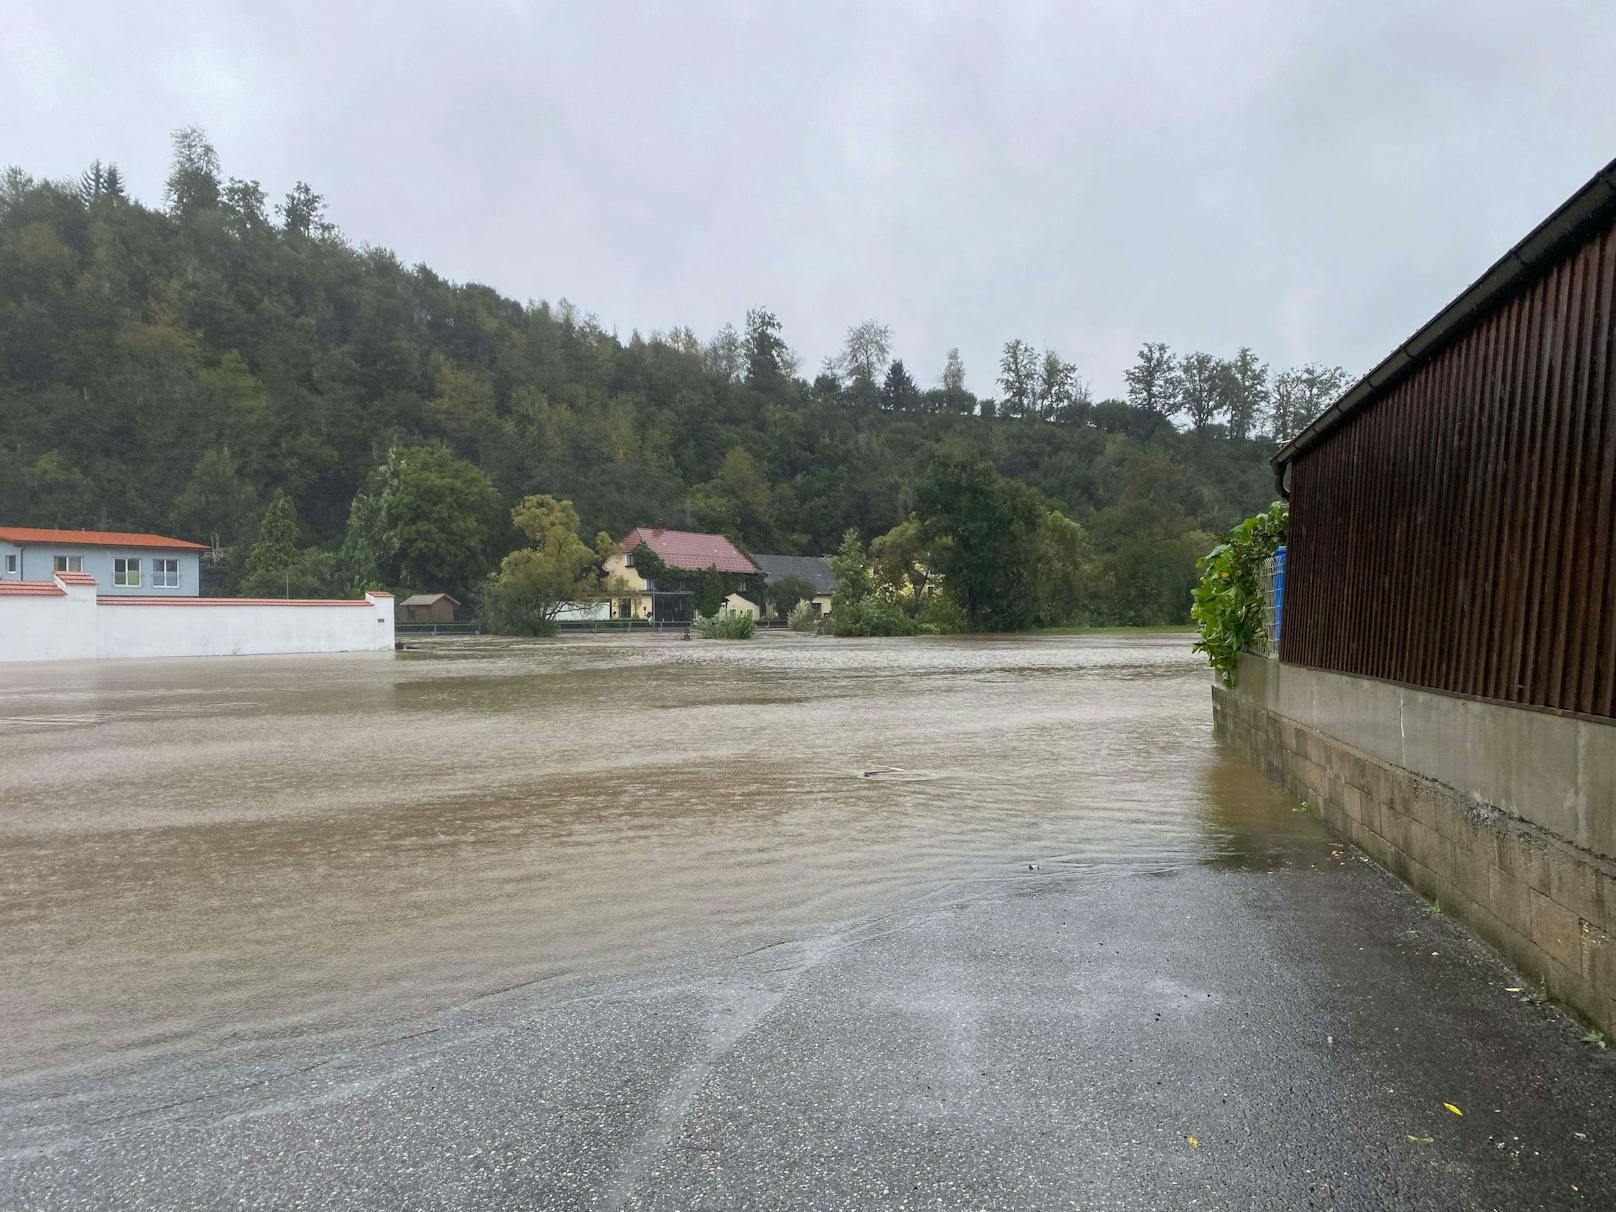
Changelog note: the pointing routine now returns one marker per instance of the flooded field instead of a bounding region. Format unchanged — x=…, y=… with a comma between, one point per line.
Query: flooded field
x=209, y=860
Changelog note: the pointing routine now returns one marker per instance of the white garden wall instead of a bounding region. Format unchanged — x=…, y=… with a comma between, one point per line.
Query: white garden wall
x=47, y=621
x=76, y=624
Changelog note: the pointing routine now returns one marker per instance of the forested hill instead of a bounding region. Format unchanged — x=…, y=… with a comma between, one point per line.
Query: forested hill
x=171, y=369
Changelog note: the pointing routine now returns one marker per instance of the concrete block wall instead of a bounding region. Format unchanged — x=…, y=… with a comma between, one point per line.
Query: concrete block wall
x=1542, y=899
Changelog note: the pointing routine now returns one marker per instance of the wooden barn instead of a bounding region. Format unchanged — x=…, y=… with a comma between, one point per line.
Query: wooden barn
x=1444, y=691
x=429, y=608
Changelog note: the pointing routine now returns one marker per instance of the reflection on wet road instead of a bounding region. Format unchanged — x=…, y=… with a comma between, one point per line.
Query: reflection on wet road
x=210, y=860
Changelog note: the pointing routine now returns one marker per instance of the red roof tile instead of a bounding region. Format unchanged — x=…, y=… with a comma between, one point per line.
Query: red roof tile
x=75, y=578
x=43, y=589
x=689, y=549
x=95, y=538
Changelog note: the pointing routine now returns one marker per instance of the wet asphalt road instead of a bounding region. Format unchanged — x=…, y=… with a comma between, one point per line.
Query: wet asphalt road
x=1054, y=1042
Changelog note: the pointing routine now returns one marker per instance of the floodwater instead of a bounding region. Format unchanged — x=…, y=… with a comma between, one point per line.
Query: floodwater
x=210, y=862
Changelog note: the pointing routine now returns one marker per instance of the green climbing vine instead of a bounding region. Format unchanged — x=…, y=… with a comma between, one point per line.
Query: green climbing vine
x=1228, y=603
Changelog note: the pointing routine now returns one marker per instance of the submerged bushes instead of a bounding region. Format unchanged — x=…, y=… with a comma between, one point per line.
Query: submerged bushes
x=725, y=625
x=803, y=617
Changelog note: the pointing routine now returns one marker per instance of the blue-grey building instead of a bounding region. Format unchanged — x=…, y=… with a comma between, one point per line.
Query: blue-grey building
x=122, y=563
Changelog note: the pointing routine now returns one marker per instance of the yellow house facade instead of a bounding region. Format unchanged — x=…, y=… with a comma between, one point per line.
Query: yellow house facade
x=628, y=592
x=633, y=595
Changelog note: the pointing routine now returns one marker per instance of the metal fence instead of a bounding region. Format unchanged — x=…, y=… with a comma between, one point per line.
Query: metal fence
x=1273, y=591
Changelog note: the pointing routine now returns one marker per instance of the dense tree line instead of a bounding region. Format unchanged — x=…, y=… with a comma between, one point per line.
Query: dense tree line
x=242, y=373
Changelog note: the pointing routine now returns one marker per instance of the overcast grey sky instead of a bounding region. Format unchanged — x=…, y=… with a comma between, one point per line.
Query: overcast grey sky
x=1313, y=180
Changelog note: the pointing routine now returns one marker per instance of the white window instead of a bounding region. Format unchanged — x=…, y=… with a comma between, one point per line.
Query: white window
x=68, y=563
x=126, y=572
x=11, y=563
x=628, y=559
x=165, y=574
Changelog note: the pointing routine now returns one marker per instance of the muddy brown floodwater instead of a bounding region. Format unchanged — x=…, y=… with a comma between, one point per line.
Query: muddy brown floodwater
x=208, y=862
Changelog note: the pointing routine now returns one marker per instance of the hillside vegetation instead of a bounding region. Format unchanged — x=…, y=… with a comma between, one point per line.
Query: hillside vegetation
x=195, y=367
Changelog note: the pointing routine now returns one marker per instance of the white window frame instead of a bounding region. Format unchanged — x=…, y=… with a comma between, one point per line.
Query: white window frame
x=67, y=563
x=126, y=571
x=11, y=563
x=165, y=577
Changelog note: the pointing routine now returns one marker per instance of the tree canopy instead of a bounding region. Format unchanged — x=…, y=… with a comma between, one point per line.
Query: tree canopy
x=173, y=369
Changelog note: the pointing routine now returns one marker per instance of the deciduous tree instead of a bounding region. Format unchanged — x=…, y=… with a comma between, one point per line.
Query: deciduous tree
x=1245, y=391
x=1018, y=376
x=866, y=350
x=1200, y=388
x=556, y=568
x=982, y=529
x=1153, y=381
x=425, y=520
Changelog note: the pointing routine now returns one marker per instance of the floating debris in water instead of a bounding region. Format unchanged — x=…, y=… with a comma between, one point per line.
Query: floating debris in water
x=895, y=774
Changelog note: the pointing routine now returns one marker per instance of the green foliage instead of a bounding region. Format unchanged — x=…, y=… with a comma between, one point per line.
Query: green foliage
x=193, y=181
x=858, y=608
x=874, y=615
x=1062, y=572
x=899, y=562
x=535, y=582
x=270, y=560
x=1228, y=601
x=171, y=369
x=983, y=530
x=1147, y=545
x=725, y=625
x=803, y=617
x=941, y=615
x=854, y=582
x=786, y=594
x=425, y=519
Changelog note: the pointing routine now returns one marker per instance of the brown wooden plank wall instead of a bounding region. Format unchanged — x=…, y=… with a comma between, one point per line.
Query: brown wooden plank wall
x=1460, y=532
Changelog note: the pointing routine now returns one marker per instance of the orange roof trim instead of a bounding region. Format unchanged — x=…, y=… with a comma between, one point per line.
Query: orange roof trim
x=39, y=589
x=96, y=538
x=75, y=578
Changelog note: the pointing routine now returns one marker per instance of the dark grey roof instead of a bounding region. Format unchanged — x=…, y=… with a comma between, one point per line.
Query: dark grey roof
x=810, y=568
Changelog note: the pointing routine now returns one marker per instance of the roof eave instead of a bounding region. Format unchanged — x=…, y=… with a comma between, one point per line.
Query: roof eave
x=1582, y=209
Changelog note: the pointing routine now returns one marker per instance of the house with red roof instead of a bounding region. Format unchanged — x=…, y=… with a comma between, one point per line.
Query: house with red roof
x=633, y=590
x=123, y=563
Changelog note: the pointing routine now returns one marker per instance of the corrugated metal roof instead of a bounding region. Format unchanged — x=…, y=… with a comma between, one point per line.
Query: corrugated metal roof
x=95, y=538
x=689, y=549
x=813, y=569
